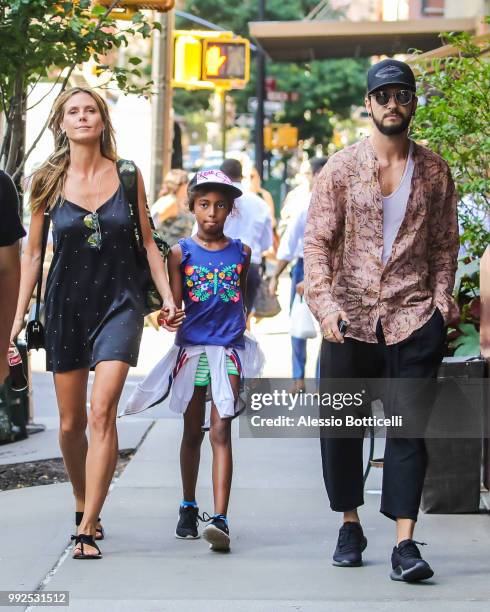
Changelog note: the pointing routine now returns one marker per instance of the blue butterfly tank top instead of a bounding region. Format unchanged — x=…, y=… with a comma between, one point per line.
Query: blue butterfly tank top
x=212, y=295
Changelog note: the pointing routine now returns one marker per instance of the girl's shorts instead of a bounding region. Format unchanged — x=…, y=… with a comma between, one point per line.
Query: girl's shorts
x=203, y=374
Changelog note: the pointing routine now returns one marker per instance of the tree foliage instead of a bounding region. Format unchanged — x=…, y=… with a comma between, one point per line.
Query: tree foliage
x=325, y=86
x=46, y=39
x=455, y=122
x=236, y=16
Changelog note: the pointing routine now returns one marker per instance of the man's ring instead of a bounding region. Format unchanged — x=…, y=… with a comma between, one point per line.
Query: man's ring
x=328, y=333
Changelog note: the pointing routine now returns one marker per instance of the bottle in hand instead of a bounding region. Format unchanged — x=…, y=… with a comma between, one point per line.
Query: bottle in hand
x=18, y=378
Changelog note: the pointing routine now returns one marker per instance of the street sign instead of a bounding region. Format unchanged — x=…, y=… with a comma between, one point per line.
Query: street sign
x=153, y=5
x=270, y=84
x=283, y=96
x=245, y=121
x=270, y=107
x=278, y=96
x=125, y=9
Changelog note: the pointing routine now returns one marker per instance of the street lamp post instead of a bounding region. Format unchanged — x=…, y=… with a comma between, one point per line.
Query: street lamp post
x=162, y=124
x=260, y=93
x=223, y=121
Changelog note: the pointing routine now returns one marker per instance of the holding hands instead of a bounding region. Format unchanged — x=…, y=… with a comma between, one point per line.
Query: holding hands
x=170, y=317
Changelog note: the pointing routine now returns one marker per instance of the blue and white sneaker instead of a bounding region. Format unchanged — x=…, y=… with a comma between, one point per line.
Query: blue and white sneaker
x=187, y=525
x=217, y=533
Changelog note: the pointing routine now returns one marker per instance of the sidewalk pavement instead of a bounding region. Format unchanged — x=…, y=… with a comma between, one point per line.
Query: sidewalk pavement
x=283, y=535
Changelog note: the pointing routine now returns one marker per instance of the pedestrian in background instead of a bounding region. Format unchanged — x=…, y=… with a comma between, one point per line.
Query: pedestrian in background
x=208, y=272
x=251, y=222
x=94, y=300
x=296, y=197
x=255, y=184
x=172, y=218
x=291, y=249
x=11, y=231
x=381, y=247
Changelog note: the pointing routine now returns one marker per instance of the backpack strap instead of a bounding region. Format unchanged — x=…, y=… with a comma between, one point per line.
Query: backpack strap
x=128, y=176
x=46, y=223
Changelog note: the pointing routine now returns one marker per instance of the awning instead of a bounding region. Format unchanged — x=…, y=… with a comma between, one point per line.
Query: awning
x=482, y=41
x=306, y=40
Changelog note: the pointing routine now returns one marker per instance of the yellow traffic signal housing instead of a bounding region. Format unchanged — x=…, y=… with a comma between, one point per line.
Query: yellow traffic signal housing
x=210, y=60
x=268, y=146
x=187, y=59
x=280, y=136
x=125, y=9
x=226, y=60
x=289, y=136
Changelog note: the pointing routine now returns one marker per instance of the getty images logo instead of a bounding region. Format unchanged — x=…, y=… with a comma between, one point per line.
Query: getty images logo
x=388, y=71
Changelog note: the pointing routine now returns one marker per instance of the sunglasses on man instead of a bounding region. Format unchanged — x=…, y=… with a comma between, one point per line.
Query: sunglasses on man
x=402, y=96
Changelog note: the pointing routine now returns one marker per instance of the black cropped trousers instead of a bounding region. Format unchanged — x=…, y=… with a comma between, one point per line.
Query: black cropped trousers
x=405, y=460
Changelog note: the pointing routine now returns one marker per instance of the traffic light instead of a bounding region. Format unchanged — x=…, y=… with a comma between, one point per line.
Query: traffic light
x=226, y=60
x=187, y=59
x=280, y=136
x=204, y=59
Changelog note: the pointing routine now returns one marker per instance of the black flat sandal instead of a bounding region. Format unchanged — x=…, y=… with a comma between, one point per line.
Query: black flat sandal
x=82, y=539
x=99, y=531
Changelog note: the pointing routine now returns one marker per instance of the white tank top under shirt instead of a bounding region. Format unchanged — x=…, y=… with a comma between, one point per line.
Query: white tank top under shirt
x=394, y=207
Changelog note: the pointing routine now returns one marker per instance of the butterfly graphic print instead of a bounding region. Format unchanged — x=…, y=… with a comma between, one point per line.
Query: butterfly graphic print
x=202, y=282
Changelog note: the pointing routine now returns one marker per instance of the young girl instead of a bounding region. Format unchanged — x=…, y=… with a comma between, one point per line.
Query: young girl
x=208, y=272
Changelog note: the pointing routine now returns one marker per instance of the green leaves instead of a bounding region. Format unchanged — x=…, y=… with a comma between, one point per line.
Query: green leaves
x=468, y=271
x=468, y=344
x=455, y=123
x=98, y=10
x=46, y=38
x=325, y=87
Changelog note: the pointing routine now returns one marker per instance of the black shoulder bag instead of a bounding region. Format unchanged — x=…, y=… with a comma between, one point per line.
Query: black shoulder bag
x=35, y=329
x=128, y=176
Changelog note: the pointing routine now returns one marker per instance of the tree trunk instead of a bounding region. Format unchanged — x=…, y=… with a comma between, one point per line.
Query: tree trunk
x=17, y=127
x=7, y=131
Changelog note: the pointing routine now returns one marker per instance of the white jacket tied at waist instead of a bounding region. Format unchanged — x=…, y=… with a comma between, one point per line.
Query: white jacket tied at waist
x=176, y=372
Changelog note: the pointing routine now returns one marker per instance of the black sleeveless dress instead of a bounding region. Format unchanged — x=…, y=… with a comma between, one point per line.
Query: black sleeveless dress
x=94, y=304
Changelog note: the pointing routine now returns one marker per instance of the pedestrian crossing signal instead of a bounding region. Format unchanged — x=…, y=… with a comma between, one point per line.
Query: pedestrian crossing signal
x=207, y=60
x=280, y=136
x=226, y=60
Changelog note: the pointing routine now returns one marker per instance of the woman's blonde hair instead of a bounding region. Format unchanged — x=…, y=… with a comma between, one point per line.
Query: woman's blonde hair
x=172, y=181
x=48, y=181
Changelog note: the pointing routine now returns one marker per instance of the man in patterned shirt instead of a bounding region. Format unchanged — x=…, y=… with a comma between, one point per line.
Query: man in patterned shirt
x=380, y=252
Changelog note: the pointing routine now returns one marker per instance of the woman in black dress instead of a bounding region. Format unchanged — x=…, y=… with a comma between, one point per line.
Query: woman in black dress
x=94, y=302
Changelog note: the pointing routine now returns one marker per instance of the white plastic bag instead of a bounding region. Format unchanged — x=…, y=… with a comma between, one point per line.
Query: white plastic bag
x=302, y=323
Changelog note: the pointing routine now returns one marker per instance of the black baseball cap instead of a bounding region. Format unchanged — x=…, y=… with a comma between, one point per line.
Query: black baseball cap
x=390, y=72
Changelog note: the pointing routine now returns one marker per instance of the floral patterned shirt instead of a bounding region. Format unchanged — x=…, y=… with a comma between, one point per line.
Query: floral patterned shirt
x=344, y=243
x=212, y=295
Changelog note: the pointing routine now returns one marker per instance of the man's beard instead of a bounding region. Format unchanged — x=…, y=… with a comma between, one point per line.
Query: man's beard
x=393, y=130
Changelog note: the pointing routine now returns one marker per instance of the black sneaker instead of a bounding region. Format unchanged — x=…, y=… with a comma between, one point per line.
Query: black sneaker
x=350, y=545
x=407, y=563
x=187, y=525
x=217, y=534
